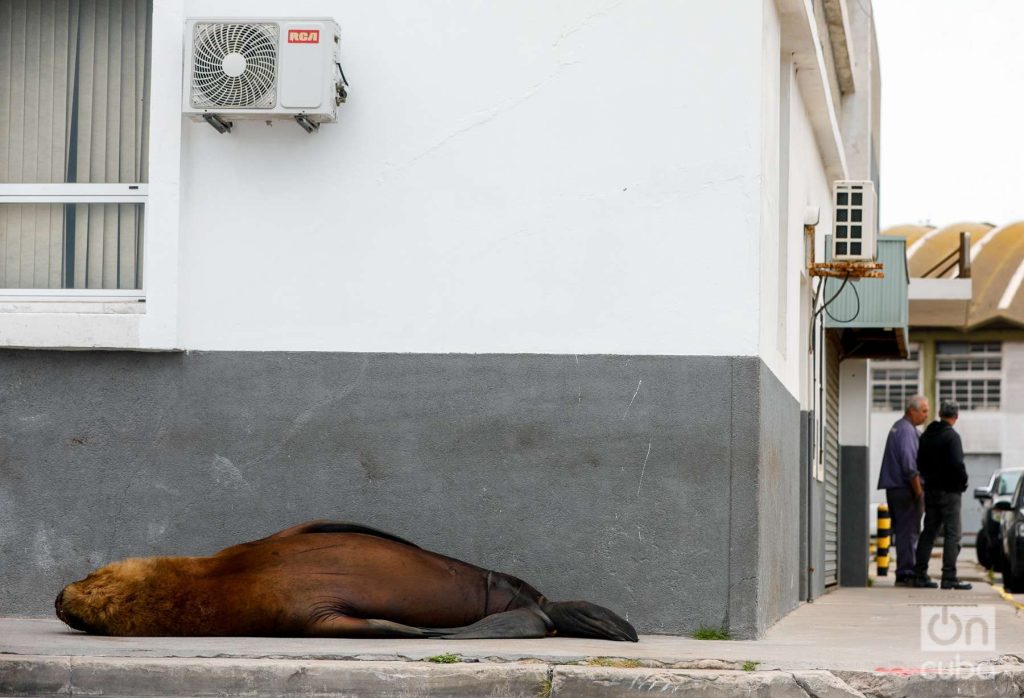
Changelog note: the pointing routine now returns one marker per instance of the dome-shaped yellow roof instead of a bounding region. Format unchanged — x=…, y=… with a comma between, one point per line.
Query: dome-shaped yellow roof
x=997, y=266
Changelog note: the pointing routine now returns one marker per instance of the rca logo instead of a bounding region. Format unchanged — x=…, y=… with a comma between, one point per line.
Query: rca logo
x=303, y=36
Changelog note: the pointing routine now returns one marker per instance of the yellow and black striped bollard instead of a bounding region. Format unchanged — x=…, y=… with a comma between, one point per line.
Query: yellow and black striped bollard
x=884, y=528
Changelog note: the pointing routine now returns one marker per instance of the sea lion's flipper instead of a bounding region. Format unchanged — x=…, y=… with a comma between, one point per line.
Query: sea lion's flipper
x=324, y=526
x=347, y=626
x=583, y=619
x=520, y=623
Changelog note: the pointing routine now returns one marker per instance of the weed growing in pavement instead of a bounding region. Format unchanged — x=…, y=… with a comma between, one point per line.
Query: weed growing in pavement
x=545, y=689
x=447, y=658
x=616, y=662
x=705, y=633
x=750, y=666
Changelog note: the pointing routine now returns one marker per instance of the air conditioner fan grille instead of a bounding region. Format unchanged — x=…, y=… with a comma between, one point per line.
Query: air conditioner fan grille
x=234, y=66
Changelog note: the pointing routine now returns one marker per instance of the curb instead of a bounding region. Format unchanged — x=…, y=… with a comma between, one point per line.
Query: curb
x=108, y=676
x=588, y=681
x=119, y=676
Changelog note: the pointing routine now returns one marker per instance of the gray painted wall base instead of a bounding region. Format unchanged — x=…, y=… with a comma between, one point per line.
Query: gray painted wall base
x=778, y=472
x=855, y=528
x=663, y=487
x=812, y=517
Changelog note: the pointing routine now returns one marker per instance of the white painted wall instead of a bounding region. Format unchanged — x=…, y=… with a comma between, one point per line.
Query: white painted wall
x=881, y=423
x=854, y=403
x=524, y=177
x=518, y=177
x=774, y=156
x=1013, y=404
x=808, y=186
x=981, y=431
x=159, y=325
x=785, y=288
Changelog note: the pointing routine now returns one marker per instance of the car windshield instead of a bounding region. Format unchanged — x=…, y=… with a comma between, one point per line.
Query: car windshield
x=1008, y=481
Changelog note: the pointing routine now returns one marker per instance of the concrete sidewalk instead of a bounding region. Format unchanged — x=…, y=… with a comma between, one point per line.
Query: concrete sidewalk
x=851, y=642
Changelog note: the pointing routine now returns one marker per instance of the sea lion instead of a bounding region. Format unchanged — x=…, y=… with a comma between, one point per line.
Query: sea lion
x=323, y=579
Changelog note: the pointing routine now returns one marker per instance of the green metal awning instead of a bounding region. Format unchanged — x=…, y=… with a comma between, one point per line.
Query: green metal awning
x=869, y=316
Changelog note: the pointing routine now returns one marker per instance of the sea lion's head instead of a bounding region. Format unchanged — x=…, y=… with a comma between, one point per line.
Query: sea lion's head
x=105, y=602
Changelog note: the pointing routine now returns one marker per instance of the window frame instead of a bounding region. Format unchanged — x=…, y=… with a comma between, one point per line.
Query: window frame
x=914, y=349
x=81, y=322
x=75, y=193
x=969, y=375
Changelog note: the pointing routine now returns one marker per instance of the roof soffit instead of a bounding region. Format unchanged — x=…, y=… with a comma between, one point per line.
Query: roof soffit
x=800, y=39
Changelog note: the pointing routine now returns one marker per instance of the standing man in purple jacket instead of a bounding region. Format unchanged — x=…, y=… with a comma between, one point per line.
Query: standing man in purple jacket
x=902, y=484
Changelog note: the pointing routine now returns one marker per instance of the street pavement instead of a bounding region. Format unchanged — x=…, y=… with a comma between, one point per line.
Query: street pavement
x=850, y=642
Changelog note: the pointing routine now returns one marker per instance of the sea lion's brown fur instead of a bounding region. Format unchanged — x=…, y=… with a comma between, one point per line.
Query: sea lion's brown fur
x=321, y=579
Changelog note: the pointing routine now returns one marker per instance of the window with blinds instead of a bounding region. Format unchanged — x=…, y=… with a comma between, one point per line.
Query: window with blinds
x=971, y=373
x=73, y=142
x=893, y=383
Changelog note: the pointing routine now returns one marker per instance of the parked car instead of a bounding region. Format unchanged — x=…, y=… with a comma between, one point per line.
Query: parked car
x=1012, y=514
x=989, y=542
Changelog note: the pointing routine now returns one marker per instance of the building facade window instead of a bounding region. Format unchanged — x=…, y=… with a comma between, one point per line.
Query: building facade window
x=971, y=373
x=895, y=382
x=74, y=119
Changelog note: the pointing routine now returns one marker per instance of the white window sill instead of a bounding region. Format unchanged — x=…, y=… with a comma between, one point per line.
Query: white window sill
x=77, y=307
x=86, y=302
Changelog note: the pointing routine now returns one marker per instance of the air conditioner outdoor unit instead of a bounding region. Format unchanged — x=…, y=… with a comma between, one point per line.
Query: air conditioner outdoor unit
x=854, y=221
x=262, y=69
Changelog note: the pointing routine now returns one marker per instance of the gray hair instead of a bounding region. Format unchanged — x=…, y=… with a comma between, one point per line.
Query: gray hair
x=949, y=409
x=916, y=402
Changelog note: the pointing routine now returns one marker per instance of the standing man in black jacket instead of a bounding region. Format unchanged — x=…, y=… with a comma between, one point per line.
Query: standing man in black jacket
x=940, y=460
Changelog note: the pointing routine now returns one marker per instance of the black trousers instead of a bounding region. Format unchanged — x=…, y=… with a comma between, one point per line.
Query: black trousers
x=940, y=509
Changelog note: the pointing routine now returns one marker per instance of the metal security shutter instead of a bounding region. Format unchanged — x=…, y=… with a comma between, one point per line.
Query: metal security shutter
x=831, y=462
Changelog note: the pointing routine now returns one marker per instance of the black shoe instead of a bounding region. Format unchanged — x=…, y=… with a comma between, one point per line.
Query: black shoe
x=904, y=580
x=924, y=583
x=956, y=584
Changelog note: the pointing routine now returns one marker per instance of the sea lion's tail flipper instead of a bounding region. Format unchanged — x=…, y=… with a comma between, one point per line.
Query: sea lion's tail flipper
x=583, y=619
x=520, y=623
